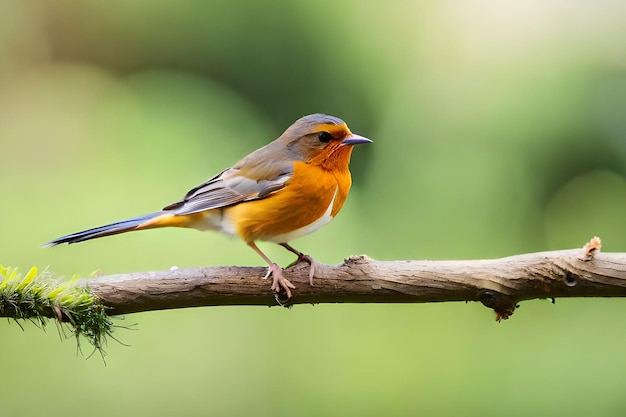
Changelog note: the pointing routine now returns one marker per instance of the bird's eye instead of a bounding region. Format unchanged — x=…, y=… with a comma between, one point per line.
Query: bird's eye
x=325, y=137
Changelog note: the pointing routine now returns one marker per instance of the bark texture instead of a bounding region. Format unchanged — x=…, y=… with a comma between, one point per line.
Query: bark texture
x=497, y=283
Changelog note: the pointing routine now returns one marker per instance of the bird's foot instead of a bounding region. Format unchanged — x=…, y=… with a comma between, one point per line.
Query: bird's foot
x=279, y=281
x=302, y=258
x=312, y=265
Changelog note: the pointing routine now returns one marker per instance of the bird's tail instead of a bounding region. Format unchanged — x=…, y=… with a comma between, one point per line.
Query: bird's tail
x=106, y=230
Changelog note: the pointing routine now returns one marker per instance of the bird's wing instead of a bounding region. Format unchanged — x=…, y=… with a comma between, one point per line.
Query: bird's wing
x=234, y=185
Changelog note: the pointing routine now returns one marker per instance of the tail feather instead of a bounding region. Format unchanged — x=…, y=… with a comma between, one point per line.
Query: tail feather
x=106, y=230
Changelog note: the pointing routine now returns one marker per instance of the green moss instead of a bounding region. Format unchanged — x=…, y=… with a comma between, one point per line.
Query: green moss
x=38, y=297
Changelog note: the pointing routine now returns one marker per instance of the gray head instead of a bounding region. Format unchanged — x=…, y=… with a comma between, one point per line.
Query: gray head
x=312, y=134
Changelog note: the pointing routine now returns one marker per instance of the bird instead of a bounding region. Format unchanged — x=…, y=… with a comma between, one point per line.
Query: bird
x=287, y=189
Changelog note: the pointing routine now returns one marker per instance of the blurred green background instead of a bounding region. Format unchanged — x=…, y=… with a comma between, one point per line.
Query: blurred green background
x=499, y=128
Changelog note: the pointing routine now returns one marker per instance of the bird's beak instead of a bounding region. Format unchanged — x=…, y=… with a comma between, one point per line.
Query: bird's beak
x=355, y=140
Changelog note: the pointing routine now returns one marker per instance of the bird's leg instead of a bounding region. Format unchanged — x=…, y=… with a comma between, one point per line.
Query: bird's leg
x=302, y=257
x=279, y=281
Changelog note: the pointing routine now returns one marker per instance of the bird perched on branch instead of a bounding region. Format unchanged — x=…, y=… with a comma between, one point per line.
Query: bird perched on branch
x=284, y=190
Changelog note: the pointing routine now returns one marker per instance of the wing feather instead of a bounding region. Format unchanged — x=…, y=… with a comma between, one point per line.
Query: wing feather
x=230, y=187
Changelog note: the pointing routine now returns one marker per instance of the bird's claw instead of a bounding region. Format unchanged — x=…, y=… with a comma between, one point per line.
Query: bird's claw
x=308, y=259
x=279, y=281
x=312, y=266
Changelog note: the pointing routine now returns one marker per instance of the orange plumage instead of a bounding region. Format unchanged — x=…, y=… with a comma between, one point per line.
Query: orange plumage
x=285, y=190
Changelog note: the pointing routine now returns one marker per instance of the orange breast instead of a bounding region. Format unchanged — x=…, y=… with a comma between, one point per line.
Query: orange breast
x=305, y=198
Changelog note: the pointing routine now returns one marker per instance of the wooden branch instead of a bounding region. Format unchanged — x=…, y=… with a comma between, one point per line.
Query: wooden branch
x=498, y=283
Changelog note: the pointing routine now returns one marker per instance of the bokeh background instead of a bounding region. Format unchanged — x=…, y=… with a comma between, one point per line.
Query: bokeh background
x=499, y=128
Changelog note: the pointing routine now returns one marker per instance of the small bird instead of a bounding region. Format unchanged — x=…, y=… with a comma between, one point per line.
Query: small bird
x=285, y=190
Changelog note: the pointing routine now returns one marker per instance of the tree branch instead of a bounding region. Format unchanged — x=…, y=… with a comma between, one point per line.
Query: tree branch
x=498, y=283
